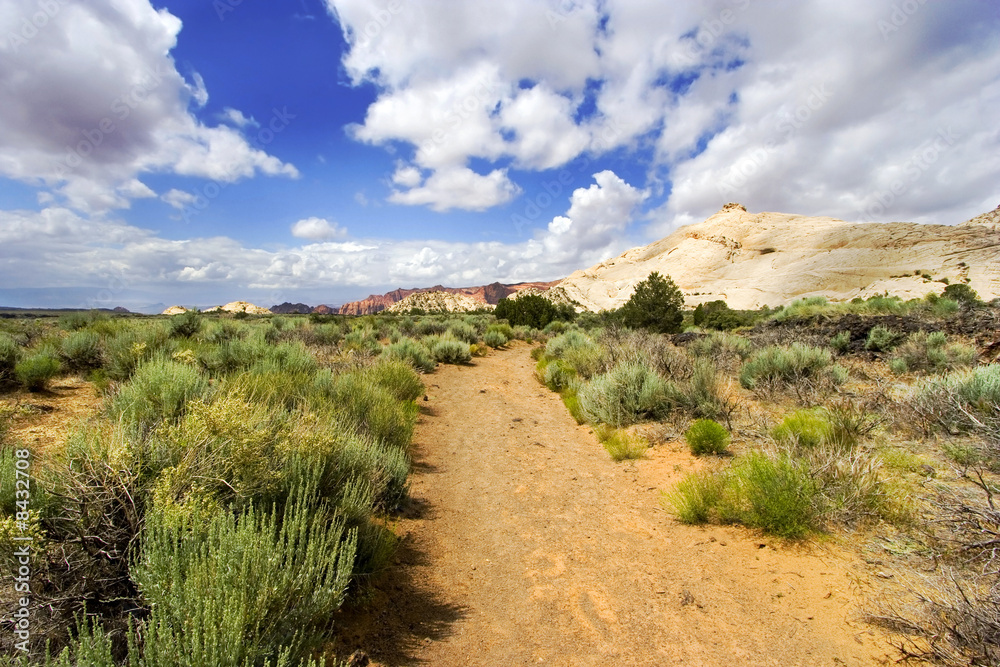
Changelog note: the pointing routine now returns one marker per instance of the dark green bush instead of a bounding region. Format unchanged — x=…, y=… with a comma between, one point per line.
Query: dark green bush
x=962, y=293
x=706, y=436
x=777, y=494
x=185, y=324
x=655, y=305
x=532, y=310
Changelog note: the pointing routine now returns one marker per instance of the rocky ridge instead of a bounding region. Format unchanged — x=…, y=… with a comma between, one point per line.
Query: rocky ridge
x=756, y=259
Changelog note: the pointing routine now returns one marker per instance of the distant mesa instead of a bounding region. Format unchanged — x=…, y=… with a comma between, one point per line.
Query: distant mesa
x=291, y=309
x=750, y=260
x=485, y=294
x=232, y=307
x=438, y=302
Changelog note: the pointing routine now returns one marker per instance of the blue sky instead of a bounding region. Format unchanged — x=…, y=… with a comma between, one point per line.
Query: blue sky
x=200, y=152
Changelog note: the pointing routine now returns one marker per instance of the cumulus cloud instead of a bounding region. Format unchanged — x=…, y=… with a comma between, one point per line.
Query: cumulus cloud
x=812, y=107
x=179, y=199
x=317, y=229
x=93, y=100
x=57, y=247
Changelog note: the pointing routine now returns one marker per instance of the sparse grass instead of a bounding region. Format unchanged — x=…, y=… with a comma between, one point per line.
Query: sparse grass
x=621, y=445
x=10, y=353
x=696, y=497
x=805, y=429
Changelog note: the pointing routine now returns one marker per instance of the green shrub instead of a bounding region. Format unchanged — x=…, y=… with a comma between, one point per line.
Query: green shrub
x=369, y=408
x=398, y=378
x=361, y=342
x=531, y=310
x=620, y=445
x=10, y=353
x=804, y=428
x=656, y=305
x=571, y=400
x=244, y=589
x=881, y=339
x=923, y=352
x=703, y=395
x=35, y=371
x=962, y=293
x=185, y=324
x=412, y=352
x=451, y=351
x=82, y=350
x=158, y=391
x=962, y=401
x=696, y=497
x=775, y=494
x=706, y=436
x=558, y=375
x=495, y=339
x=626, y=394
x=841, y=342
x=784, y=366
x=504, y=328
x=463, y=332
x=428, y=326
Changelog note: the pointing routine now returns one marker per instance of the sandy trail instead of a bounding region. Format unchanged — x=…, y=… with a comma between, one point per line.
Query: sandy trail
x=525, y=544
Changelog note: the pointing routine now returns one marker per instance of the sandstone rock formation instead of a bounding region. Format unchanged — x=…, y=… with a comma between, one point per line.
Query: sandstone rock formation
x=174, y=310
x=438, y=302
x=239, y=307
x=756, y=259
x=486, y=294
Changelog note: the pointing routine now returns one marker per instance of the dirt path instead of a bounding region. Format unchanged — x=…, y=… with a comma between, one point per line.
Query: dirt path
x=525, y=544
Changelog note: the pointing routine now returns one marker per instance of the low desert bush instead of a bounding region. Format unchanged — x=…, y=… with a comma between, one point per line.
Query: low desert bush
x=10, y=353
x=841, y=342
x=805, y=429
x=930, y=352
x=621, y=445
x=962, y=402
x=697, y=497
x=82, y=350
x=775, y=493
x=36, y=371
x=242, y=589
x=706, y=436
x=369, y=408
x=558, y=375
x=725, y=350
x=796, y=366
x=627, y=394
x=449, y=350
x=463, y=332
x=398, y=378
x=704, y=395
x=882, y=339
x=159, y=391
x=495, y=338
x=412, y=352
x=186, y=324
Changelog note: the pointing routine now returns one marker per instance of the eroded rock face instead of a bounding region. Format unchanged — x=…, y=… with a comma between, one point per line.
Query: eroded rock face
x=485, y=294
x=756, y=259
x=438, y=302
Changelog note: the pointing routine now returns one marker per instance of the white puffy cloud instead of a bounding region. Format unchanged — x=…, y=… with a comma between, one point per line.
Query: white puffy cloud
x=93, y=100
x=457, y=187
x=179, y=199
x=317, y=229
x=810, y=107
x=57, y=247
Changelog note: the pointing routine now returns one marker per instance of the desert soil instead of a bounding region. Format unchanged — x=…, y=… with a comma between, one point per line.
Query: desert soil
x=524, y=543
